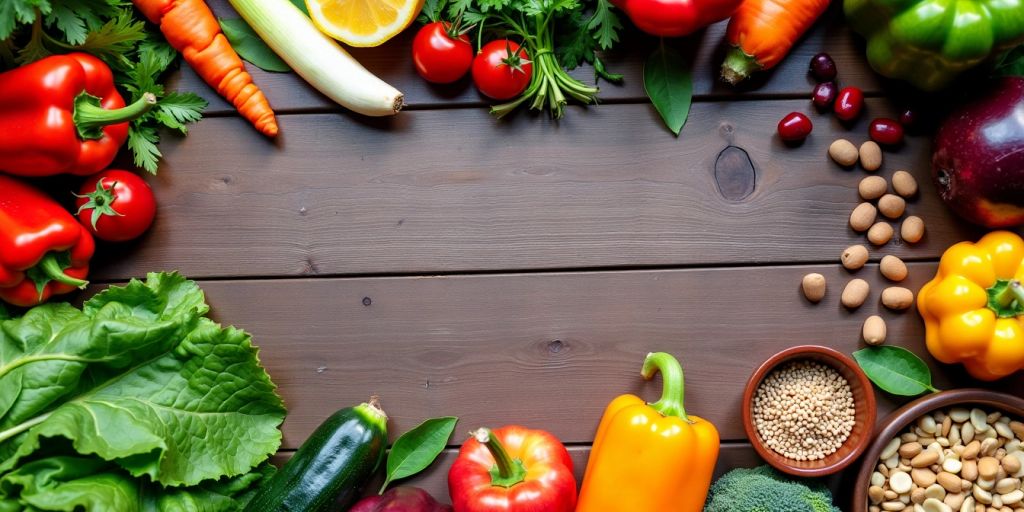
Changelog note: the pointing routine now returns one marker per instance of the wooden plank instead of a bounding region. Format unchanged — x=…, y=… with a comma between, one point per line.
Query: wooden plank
x=543, y=350
x=435, y=478
x=452, y=191
x=393, y=63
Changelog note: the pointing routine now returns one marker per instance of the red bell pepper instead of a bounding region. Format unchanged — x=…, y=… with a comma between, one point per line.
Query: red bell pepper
x=43, y=249
x=62, y=114
x=673, y=18
x=512, y=469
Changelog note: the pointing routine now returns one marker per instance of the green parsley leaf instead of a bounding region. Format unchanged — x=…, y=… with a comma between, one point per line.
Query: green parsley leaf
x=142, y=141
x=65, y=19
x=183, y=107
x=604, y=24
x=13, y=12
x=116, y=38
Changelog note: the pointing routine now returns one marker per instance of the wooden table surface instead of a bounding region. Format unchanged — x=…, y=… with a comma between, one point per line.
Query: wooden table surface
x=518, y=271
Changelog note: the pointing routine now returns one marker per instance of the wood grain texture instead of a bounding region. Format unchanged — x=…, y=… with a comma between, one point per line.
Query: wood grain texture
x=454, y=190
x=435, y=478
x=543, y=350
x=392, y=62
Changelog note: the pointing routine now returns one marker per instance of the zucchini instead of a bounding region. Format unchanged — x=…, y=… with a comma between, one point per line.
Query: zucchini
x=331, y=467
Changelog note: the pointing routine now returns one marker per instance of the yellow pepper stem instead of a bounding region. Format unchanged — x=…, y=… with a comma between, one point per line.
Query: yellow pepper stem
x=671, y=403
x=506, y=471
x=1006, y=298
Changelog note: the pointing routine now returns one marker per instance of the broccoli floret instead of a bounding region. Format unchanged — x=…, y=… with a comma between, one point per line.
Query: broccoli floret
x=763, y=489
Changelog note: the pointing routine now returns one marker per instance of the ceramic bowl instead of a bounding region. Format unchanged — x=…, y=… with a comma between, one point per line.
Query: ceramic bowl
x=864, y=415
x=898, y=422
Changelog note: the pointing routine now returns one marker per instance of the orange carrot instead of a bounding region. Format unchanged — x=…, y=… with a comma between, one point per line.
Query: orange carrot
x=191, y=28
x=762, y=32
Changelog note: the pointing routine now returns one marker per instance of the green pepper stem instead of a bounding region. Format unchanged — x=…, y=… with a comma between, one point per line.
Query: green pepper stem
x=507, y=471
x=673, y=387
x=90, y=116
x=51, y=267
x=1013, y=291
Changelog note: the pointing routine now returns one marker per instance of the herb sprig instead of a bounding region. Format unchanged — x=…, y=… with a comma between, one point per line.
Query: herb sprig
x=559, y=35
x=111, y=30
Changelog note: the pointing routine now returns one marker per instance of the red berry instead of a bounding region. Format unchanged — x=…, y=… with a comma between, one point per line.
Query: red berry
x=823, y=67
x=886, y=131
x=849, y=103
x=908, y=118
x=795, y=127
x=824, y=95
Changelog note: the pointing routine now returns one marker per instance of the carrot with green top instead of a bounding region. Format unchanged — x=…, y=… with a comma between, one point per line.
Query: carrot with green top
x=762, y=32
x=191, y=28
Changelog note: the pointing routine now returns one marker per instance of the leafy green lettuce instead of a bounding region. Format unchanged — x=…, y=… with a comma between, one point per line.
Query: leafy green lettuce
x=137, y=400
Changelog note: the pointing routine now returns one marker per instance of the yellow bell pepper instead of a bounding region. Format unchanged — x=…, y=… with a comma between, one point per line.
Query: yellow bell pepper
x=974, y=308
x=650, y=458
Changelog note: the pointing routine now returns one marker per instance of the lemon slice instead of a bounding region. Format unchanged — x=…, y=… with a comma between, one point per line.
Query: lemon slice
x=363, y=22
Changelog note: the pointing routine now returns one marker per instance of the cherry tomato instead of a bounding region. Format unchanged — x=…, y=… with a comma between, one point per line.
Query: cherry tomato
x=502, y=69
x=116, y=205
x=886, y=131
x=849, y=103
x=440, y=55
x=795, y=127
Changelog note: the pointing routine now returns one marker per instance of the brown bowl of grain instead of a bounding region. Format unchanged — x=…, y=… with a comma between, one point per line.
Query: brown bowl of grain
x=949, y=451
x=809, y=411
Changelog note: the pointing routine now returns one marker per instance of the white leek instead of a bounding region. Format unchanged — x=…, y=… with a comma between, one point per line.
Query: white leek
x=319, y=59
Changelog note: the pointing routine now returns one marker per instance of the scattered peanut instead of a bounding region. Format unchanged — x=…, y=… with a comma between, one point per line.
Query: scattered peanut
x=874, y=331
x=855, y=293
x=843, y=152
x=814, y=287
x=897, y=297
x=912, y=229
x=870, y=156
x=854, y=257
x=872, y=187
x=893, y=268
x=892, y=206
x=880, y=233
x=863, y=216
x=904, y=184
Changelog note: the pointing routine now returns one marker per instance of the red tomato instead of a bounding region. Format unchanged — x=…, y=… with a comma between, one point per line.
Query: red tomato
x=502, y=69
x=440, y=56
x=116, y=205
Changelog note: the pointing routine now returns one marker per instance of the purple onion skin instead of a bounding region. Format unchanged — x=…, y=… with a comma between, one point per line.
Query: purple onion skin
x=401, y=499
x=978, y=159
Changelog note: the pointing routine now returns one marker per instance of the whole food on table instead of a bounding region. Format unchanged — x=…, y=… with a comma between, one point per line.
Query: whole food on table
x=138, y=401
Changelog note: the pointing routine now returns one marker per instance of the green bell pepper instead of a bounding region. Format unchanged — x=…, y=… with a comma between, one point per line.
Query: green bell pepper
x=929, y=42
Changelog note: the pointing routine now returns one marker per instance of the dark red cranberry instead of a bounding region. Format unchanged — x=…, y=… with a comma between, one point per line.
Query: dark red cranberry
x=795, y=127
x=886, y=131
x=824, y=95
x=823, y=68
x=908, y=118
x=849, y=103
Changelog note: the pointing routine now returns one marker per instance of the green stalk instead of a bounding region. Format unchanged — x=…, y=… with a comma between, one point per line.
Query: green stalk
x=506, y=472
x=25, y=425
x=50, y=266
x=673, y=384
x=90, y=117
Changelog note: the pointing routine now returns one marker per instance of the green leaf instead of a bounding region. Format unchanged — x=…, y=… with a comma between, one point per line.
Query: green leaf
x=183, y=107
x=895, y=370
x=142, y=141
x=250, y=47
x=669, y=85
x=65, y=482
x=1012, y=63
x=417, y=448
x=605, y=24
x=140, y=378
x=13, y=12
x=116, y=38
x=64, y=18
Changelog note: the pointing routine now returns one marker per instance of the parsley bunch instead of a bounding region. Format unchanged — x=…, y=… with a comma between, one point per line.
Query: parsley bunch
x=109, y=29
x=558, y=35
